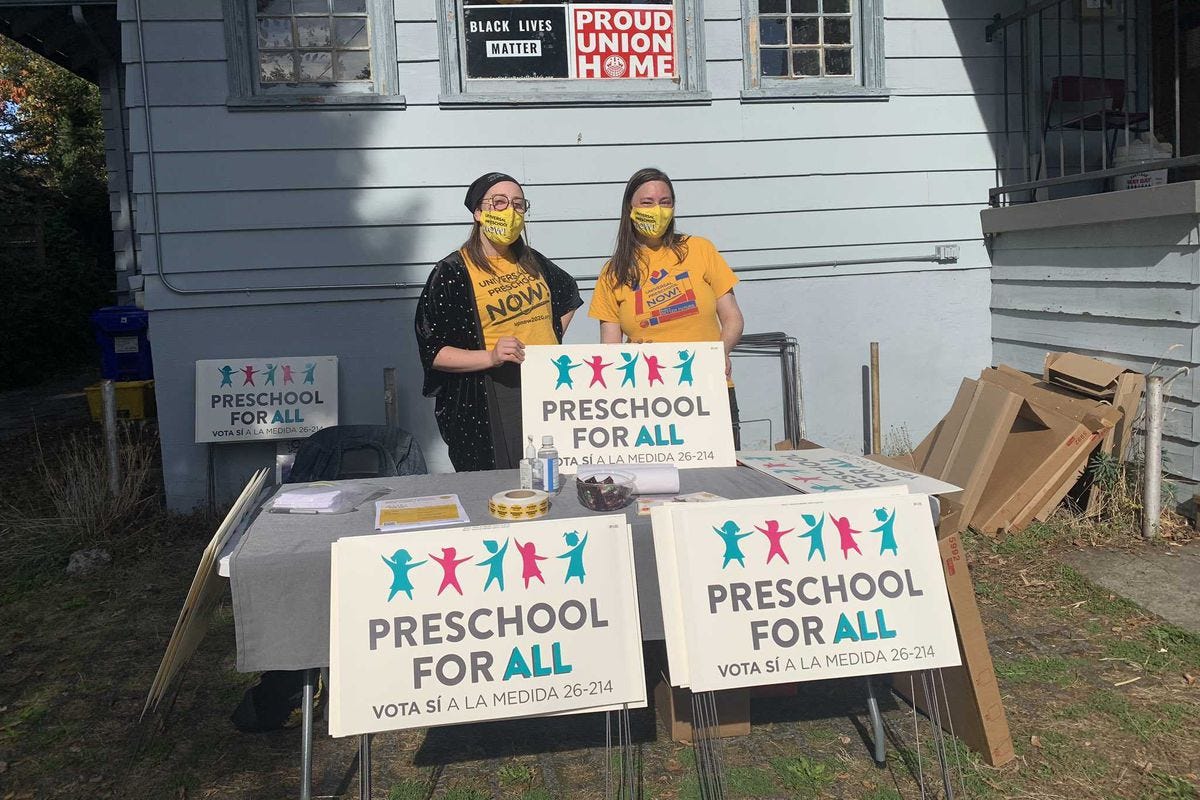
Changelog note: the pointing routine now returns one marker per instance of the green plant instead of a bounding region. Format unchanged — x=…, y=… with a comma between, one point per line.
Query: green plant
x=466, y=792
x=750, y=782
x=510, y=774
x=1169, y=787
x=408, y=789
x=1053, y=670
x=803, y=775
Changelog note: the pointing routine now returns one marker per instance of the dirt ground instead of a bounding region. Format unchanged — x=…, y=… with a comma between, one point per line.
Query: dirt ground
x=1102, y=697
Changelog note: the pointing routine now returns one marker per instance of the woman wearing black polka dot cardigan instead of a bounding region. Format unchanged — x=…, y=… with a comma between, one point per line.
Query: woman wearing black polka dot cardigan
x=481, y=305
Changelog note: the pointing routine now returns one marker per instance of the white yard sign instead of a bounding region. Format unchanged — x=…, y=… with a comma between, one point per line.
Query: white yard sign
x=800, y=591
x=822, y=470
x=491, y=622
x=629, y=404
x=248, y=399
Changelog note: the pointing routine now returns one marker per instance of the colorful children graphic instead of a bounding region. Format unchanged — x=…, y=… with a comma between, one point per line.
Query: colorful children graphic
x=847, y=535
x=565, y=366
x=248, y=373
x=775, y=537
x=401, y=564
x=271, y=374
x=888, y=540
x=494, y=562
x=575, y=554
x=816, y=544
x=529, y=565
x=731, y=535
x=653, y=370
x=685, y=367
x=627, y=366
x=449, y=569
x=310, y=373
x=287, y=374
x=598, y=366
x=226, y=376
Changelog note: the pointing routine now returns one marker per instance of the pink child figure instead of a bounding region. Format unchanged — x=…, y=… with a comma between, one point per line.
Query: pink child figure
x=775, y=536
x=847, y=534
x=597, y=371
x=529, y=565
x=287, y=373
x=449, y=568
x=653, y=370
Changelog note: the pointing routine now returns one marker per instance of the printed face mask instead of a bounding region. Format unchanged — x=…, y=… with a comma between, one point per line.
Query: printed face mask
x=652, y=221
x=502, y=227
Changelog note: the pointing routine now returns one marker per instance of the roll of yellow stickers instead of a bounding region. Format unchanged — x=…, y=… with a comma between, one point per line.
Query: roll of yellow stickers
x=519, y=504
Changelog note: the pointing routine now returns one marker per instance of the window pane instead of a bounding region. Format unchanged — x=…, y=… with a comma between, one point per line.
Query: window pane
x=806, y=62
x=274, y=6
x=772, y=6
x=316, y=67
x=804, y=6
x=276, y=68
x=311, y=6
x=837, y=30
x=773, y=63
x=275, y=32
x=837, y=6
x=353, y=65
x=312, y=32
x=351, y=31
x=805, y=30
x=838, y=62
x=772, y=30
x=349, y=6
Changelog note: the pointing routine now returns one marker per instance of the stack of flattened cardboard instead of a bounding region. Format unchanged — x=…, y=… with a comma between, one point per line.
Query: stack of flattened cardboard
x=1017, y=445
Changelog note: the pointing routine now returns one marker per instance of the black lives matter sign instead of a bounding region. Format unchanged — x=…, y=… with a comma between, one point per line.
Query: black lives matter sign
x=516, y=41
x=575, y=39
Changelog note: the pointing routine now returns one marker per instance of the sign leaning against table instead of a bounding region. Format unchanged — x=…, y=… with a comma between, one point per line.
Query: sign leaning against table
x=248, y=399
x=815, y=589
x=617, y=404
x=492, y=622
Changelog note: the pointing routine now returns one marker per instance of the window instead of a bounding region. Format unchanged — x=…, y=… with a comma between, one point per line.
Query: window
x=571, y=51
x=813, y=48
x=293, y=53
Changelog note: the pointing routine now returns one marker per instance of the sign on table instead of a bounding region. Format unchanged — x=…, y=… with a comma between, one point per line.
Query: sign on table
x=616, y=404
x=246, y=399
x=800, y=590
x=492, y=622
x=822, y=470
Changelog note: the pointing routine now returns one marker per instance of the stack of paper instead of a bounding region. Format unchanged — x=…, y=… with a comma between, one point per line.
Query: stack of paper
x=307, y=498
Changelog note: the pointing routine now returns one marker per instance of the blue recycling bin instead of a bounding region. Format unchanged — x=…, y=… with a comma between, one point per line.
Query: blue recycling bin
x=121, y=332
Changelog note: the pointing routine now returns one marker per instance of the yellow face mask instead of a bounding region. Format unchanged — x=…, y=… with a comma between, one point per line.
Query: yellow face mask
x=651, y=221
x=502, y=227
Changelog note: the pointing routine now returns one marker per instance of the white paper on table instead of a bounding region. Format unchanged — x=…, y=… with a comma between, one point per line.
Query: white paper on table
x=307, y=498
x=419, y=512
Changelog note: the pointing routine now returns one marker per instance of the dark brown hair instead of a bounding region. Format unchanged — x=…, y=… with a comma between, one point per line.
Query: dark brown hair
x=523, y=254
x=626, y=261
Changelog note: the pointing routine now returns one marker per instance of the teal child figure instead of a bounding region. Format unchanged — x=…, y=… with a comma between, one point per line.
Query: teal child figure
x=270, y=381
x=685, y=367
x=731, y=535
x=888, y=523
x=575, y=554
x=494, y=563
x=627, y=367
x=310, y=373
x=565, y=366
x=226, y=375
x=816, y=545
x=401, y=564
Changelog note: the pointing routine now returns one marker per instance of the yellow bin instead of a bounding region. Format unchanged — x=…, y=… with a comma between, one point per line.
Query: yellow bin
x=135, y=399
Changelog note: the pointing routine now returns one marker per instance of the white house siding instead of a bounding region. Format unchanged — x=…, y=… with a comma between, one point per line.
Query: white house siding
x=1126, y=292
x=120, y=173
x=323, y=196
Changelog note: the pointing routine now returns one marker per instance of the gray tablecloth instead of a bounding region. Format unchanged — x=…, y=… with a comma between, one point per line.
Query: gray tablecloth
x=279, y=572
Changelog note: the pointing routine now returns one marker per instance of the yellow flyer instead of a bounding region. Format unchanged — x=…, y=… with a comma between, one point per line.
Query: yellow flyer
x=419, y=512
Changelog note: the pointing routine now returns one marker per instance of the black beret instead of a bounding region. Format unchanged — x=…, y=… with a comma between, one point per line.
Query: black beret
x=479, y=189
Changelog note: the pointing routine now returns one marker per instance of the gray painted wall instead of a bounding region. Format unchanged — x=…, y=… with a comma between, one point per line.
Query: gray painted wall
x=1125, y=291
x=264, y=198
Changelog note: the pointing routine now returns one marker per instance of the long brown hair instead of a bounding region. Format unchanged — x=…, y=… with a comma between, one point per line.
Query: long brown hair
x=625, y=264
x=524, y=255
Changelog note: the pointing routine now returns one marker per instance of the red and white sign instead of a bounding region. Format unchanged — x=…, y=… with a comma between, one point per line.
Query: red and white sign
x=625, y=41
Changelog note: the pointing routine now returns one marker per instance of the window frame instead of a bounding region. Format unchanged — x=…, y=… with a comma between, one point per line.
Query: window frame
x=868, y=82
x=457, y=90
x=242, y=60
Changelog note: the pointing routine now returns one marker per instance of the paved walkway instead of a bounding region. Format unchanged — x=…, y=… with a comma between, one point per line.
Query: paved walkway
x=1163, y=580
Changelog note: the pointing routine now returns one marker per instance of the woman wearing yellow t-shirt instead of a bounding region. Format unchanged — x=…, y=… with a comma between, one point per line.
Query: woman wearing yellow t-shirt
x=481, y=305
x=665, y=286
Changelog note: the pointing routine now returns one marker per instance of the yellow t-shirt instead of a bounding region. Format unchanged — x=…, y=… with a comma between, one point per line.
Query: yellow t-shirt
x=675, y=301
x=512, y=302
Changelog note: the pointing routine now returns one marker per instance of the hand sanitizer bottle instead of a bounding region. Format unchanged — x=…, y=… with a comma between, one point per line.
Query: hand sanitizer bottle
x=527, y=465
x=548, y=463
